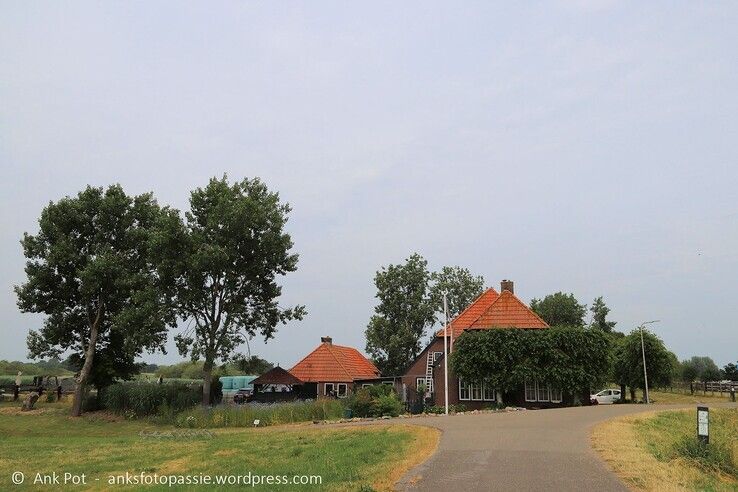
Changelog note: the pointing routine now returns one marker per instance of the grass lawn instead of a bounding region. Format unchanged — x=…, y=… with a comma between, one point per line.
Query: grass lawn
x=665, y=398
x=347, y=458
x=658, y=450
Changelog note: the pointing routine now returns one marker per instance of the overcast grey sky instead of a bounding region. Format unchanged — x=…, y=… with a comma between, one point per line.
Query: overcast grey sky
x=589, y=147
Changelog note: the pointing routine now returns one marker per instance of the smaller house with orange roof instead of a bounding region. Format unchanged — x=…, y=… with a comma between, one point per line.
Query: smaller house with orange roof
x=333, y=370
x=491, y=310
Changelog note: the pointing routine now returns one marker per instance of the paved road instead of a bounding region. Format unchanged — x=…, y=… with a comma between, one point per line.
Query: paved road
x=527, y=450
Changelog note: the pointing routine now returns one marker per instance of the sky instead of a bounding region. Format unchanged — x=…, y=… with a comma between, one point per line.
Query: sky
x=584, y=147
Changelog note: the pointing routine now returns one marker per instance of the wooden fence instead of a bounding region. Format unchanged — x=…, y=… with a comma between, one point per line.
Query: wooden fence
x=713, y=388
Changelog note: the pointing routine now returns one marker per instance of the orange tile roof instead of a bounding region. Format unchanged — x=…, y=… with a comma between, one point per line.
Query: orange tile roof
x=471, y=313
x=508, y=312
x=334, y=363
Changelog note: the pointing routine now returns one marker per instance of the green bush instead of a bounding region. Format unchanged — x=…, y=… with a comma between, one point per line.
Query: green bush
x=386, y=405
x=266, y=413
x=376, y=400
x=141, y=399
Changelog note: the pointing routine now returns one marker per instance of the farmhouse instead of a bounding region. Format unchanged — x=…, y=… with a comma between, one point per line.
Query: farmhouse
x=491, y=310
x=333, y=370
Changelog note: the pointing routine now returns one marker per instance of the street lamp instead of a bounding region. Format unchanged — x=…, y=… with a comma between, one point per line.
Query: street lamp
x=445, y=348
x=643, y=352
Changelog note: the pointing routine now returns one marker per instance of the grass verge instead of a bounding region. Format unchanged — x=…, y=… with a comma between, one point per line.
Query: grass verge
x=658, y=451
x=100, y=445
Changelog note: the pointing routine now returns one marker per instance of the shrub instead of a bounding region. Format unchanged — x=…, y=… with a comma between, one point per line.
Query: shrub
x=386, y=405
x=141, y=399
x=376, y=400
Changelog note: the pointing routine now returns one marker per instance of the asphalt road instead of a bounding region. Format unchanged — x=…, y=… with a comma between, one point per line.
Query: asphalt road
x=528, y=450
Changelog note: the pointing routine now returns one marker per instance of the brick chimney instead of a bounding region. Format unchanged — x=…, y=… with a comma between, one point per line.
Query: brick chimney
x=507, y=285
x=327, y=340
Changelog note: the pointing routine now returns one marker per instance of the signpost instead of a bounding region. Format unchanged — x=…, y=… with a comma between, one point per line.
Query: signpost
x=703, y=425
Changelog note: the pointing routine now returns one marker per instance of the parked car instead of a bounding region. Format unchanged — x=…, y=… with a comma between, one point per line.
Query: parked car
x=241, y=396
x=606, y=397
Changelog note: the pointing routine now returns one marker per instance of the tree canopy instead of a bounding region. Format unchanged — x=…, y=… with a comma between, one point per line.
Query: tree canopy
x=628, y=361
x=88, y=270
x=462, y=288
x=570, y=358
x=730, y=371
x=700, y=369
x=560, y=309
x=402, y=316
x=223, y=261
x=599, y=312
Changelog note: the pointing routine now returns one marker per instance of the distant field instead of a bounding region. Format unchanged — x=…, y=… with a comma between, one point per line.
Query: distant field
x=662, y=397
x=347, y=458
x=659, y=451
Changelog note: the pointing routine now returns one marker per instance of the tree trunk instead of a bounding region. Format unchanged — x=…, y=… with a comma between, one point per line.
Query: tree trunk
x=632, y=395
x=84, y=373
x=622, y=393
x=207, y=374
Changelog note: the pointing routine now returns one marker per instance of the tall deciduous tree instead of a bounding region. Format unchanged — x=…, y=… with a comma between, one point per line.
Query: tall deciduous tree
x=462, y=287
x=223, y=262
x=599, y=312
x=404, y=312
x=700, y=369
x=730, y=371
x=88, y=270
x=560, y=309
x=628, y=361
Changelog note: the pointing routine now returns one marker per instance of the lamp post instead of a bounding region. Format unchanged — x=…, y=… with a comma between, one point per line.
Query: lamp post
x=643, y=353
x=445, y=349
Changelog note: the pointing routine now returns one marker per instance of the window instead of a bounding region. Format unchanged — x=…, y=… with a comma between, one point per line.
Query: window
x=530, y=391
x=537, y=391
x=542, y=391
x=366, y=385
x=556, y=395
x=388, y=383
x=328, y=388
x=463, y=390
x=475, y=391
x=419, y=382
x=342, y=390
x=437, y=355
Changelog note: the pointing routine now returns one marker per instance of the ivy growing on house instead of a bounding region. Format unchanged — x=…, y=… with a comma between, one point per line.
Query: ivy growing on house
x=569, y=358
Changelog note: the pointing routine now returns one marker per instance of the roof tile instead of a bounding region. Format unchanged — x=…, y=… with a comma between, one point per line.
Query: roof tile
x=334, y=363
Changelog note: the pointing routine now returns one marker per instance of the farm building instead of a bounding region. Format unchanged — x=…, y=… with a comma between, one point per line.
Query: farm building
x=491, y=310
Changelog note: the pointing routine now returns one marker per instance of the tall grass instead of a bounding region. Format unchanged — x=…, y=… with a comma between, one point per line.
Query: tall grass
x=142, y=399
x=267, y=414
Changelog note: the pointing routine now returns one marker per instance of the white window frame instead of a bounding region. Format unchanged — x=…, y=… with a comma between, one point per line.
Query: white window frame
x=345, y=390
x=325, y=388
x=366, y=385
x=418, y=382
x=464, y=387
x=388, y=383
x=531, y=386
x=543, y=388
x=558, y=393
x=437, y=355
x=470, y=388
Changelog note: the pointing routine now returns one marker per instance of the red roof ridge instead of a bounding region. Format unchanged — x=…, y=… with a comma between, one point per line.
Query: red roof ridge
x=439, y=333
x=479, y=297
x=507, y=294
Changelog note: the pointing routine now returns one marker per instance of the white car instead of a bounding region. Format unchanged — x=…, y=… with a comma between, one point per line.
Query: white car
x=606, y=397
